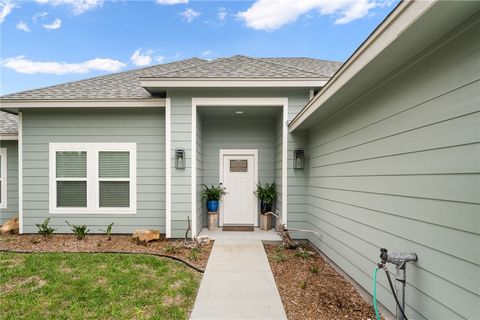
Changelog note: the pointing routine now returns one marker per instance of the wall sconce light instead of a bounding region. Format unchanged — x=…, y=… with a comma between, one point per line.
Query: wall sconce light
x=180, y=158
x=298, y=159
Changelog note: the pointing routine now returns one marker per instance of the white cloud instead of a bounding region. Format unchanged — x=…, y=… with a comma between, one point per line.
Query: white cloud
x=56, y=24
x=189, y=14
x=23, y=65
x=273, y=14
x=76, y=6
x=171, y=1
x=222, y=14
x=23, y=26
x=159, y=59
x=206, y=53
x=39, y=15
x=6, y=6
x=140, y=58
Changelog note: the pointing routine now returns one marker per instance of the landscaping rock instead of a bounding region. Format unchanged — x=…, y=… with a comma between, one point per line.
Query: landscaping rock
x=146, y=235
x=10, y=226
x=203, y=240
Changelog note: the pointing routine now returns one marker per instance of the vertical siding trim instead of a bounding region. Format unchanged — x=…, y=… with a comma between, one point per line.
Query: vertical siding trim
x=194, y=168
x=20, y=172
x=168, y=169
x=285, y=162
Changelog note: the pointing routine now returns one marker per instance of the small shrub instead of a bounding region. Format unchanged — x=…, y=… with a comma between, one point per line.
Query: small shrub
x=303, y=285
x=303, y=254
x=314, y=269
x=108, y=232
x=194, y=253
x=279, y=256
x=80, y=231
x=44, y=229
x=171, y=249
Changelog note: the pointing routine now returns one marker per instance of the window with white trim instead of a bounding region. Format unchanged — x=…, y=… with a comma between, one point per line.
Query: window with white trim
x=3, y=178
x=93, y=178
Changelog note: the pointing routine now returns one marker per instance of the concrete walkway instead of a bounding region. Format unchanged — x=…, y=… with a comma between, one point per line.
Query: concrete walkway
x=238, y=284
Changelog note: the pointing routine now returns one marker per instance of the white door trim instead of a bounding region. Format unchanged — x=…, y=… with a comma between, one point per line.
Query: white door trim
x=168, y=169
x=252, y=101
x=239, y=152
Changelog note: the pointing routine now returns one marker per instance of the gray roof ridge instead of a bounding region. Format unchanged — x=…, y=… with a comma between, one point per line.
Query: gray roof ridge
x=98, y=77
x=245, y=57
x=280, y=64
x=189, y=67
x=309, y=58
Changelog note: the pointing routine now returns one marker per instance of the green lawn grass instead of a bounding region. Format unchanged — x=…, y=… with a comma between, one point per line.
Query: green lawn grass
x=94, y=286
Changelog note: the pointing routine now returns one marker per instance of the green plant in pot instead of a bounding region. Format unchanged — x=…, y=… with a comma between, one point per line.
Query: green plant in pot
x=267, y=195
x=212, y=196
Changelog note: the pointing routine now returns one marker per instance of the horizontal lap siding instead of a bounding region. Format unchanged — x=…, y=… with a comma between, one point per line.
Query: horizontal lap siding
x=11, y=210
x=181, y=138
x=401, y=169
x=297, y=179
x=145, y=127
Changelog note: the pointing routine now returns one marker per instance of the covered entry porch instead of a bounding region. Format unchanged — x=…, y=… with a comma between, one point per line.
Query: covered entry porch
x=238, y=143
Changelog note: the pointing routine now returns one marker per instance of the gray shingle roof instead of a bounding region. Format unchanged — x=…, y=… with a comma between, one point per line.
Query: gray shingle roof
x=8, y=123
x=325, y=67
x=122, y=85
x=241, y=67
x=126, y=85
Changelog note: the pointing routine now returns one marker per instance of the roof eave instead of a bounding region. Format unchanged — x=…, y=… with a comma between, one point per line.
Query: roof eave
x=8, y=136
x=392, y=33
x=12, y=105
x=152, y=84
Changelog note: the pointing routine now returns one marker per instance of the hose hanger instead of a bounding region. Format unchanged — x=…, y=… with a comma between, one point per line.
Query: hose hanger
x=399, y=259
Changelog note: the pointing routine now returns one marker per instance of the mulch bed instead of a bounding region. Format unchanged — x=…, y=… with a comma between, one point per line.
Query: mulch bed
x=100, y=243
x=310, y=287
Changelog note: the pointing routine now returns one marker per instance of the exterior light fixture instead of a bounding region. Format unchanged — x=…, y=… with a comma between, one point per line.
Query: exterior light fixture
x=180, y=158
x=298, y=159
x=239, y=112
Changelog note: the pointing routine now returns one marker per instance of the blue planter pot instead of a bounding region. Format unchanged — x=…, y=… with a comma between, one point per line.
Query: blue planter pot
x=212, y=205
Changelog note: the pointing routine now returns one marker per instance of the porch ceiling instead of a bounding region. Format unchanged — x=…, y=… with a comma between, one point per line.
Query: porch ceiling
x=248, y=112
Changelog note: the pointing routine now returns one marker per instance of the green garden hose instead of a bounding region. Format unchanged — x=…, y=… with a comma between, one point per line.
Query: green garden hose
x=377, y=314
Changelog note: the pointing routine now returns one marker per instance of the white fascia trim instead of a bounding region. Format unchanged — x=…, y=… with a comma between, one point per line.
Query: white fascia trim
x=194, y=169
x=168, y=170
x=128, y=103
x=4, y=178
x=5, y=137
x=232, y=83
x=242, y=152
x=285, y=164
x=20, y=172
x=258, y=102
x=399, y=20
x=92, y=179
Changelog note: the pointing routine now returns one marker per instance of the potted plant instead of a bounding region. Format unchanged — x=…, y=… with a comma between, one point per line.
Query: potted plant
x=267, y=195
x=212, y=196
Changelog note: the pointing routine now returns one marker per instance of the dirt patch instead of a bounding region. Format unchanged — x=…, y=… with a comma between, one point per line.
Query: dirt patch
x=310, y=287
x=100, y=243
x=23, y=285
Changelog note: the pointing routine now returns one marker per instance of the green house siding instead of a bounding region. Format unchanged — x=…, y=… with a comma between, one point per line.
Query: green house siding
x=399, y=168
x=145, y=127
x=11, y=210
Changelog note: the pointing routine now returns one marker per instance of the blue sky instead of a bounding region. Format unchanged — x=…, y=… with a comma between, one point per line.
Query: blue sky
x=46, y=42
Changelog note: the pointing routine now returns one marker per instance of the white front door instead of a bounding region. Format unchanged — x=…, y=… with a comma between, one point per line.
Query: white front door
x=238, y=176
